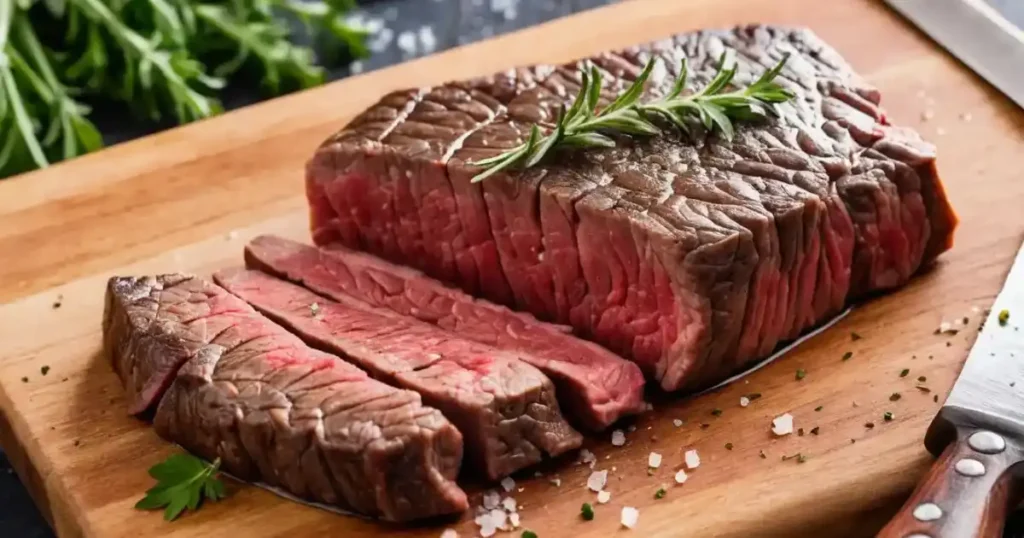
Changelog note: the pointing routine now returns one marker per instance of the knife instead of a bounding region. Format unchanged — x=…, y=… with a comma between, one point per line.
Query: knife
x=978, y=434
x=977, y=35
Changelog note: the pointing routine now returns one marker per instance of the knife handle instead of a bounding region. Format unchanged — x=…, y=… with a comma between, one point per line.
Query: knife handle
x=966, y=494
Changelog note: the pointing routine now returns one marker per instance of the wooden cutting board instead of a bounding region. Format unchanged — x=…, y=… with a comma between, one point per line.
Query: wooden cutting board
x=188, y=199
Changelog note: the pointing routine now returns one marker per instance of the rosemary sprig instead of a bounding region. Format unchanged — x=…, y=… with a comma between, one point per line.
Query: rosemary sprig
x=582, y=125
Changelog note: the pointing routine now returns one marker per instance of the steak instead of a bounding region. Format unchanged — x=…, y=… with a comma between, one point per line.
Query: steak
x=690, y=254
x=233, y=385
x=595, y=386
x=504, y=408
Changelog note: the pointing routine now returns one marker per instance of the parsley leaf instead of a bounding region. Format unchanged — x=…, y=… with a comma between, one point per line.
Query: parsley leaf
x=183, y=480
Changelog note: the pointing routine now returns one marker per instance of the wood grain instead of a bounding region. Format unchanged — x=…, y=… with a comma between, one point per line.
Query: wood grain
x=171, y=201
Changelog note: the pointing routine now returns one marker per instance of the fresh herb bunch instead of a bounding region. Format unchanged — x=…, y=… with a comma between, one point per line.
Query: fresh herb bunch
x=183, y=480
x=166, y=59
x=584, y=126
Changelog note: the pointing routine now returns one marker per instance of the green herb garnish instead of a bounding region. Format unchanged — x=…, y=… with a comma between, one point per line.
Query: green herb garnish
x=1004, y=316
x=582, y=125
x=848, y=355
x=183, y=481
x=800, y=374
x=165, y=59
x=716, y=412
x=888, y=416
x=587, y=511
x=528, y=534
x=660, y=493
x=905, y=372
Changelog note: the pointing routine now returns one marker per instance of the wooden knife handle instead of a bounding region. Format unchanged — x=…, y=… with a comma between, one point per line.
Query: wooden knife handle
x=966, y=494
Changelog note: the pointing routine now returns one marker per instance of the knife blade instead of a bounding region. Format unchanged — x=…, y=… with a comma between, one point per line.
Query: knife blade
x=977, y=35
x=978, y=433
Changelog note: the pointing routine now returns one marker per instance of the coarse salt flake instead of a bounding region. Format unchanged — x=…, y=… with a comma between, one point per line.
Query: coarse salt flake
x=692, y=459
x=449, y=533
x=491, y=500
x=604, y=496
x=681, y=476
x=618, y=438
x=654, y=460
x=629, y=517
x=513, y=518
x=744, y=401
x=556, y=482
x=498, y=517
x=509, y=504
x=508, y=484
x=782, y=425
x=597, y=480
x=587, y=456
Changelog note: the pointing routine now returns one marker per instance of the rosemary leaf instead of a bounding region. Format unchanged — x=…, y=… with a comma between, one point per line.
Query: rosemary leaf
x=583, y=125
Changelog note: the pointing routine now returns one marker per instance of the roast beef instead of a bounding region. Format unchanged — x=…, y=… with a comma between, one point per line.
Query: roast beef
x=690, y=254
x=233, y=385
x=595, y=386
x=505, y=408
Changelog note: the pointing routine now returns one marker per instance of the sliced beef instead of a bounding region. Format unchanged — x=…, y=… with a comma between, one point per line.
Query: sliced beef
x=690, y=254
x=505, y=408
x=596, y=386
x=233, y=385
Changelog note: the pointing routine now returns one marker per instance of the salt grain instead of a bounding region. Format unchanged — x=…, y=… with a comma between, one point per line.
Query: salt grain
x=428, y=41
x=587, y=456
x=408, y=44
x=557, y=482
x=677, y=423
x=927, y=115
x=604, y=496
x=509, y=504
x=744, y=401
x=508, y=484
x=692, y=459
x=681, y=476
x=597, y=480
x=491, y=500
x=630, y=516
x=782, y=425
x=449, y=533
x=618, y=438
x=966, y=116
x=654, y=460
x=513, y=518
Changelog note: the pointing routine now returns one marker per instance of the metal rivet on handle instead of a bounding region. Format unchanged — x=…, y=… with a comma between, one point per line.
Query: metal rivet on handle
x=970, y=467
x=927, y=512
x=987, y=442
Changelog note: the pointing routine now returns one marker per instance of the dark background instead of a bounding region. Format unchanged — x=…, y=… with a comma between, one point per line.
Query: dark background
x=451, y=23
